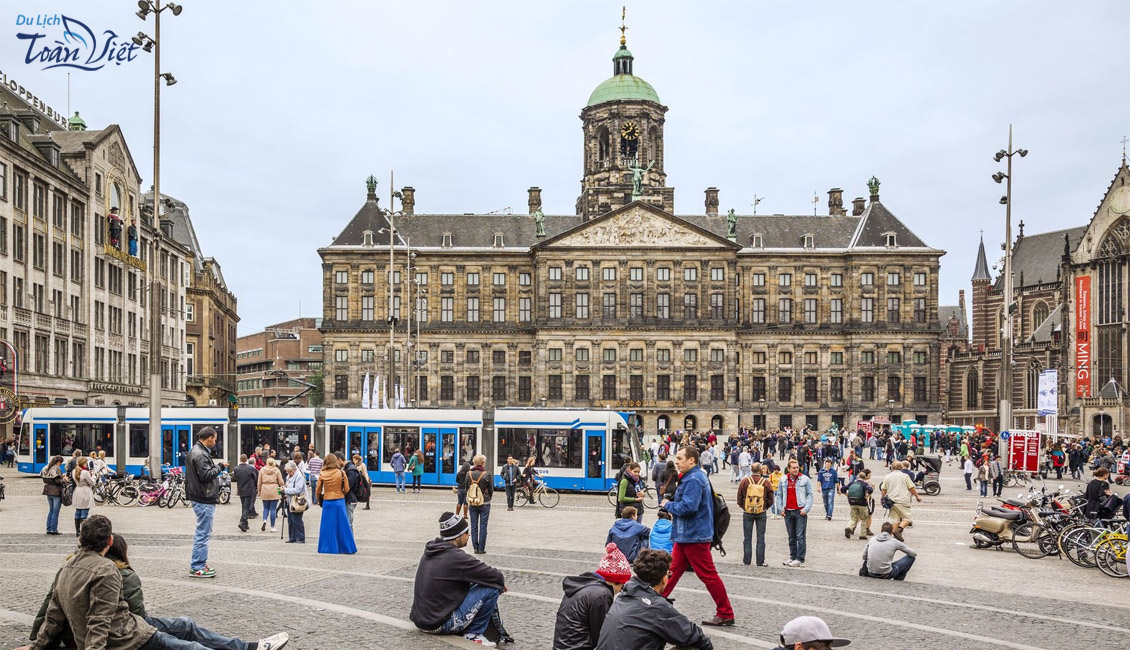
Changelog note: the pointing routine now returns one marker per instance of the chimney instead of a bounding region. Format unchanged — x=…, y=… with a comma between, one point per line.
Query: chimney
x=857, y=205
x=535, y=199
x=712, y=201
x=836, y=202
x=408, y=199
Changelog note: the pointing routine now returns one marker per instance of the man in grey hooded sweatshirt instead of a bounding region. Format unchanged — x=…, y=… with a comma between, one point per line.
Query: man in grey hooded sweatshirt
x=879, y=556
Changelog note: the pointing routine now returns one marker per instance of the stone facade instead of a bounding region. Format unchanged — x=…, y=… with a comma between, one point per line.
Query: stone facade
x=693, y=320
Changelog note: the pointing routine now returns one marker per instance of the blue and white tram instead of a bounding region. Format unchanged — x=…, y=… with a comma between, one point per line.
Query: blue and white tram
x=574, y=449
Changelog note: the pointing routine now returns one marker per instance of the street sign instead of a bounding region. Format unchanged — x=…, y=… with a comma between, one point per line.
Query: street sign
x=1004, y=435
x=1024, y=451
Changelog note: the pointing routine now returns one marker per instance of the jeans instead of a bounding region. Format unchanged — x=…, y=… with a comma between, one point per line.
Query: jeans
x=480, y=515
x=247, y=504
x=54, y=504
x=349, y=508
x=313, y=488
x=416, y=482
x=998, y=485
x=796, y=525
x=748, y=523
x=399, y=481
x=968, y=481
x=473, y=615
x=510, y=489
x=870, y=452
x=829, y=495
x=901, y=567
x=698, y=556
x=984, y=488
x=182, y=633
x=297, y=527
x=270, y=512
x=204, y=515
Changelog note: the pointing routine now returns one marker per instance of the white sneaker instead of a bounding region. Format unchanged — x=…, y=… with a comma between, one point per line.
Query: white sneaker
x=481, y=640
x=274, y=530
x=798, y=564
x=274, y=642
x=788, y=562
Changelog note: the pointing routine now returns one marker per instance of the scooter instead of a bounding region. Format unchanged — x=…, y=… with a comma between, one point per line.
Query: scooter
x=992, y=526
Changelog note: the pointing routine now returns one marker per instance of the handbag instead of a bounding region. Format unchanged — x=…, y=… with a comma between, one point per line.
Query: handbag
x=298, y=503
x=68, y=493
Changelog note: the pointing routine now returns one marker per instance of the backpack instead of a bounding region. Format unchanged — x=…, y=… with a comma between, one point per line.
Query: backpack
x=754, y=498
x=721, y=522
x=857, y=493
x=461, y=475
x=364, y=487
x=475, y=496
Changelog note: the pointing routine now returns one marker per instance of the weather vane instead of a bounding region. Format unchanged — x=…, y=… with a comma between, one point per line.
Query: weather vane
x=623, y=26
x=1123, y=148
x=756, y=199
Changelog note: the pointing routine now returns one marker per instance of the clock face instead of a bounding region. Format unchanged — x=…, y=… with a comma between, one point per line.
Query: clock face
x=1120, y=200
x=630, y=131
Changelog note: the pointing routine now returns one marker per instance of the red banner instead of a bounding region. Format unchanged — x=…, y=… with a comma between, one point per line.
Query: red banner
x=1024, y=450
x=1083, y=336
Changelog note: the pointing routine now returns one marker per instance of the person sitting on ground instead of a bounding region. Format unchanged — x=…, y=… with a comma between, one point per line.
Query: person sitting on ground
x=641, y=619
x=879, y=556
x=809, y=633
x=455, y=593
x=587, y=599
x=660, y=539
x=97, y=598
x=628, y=534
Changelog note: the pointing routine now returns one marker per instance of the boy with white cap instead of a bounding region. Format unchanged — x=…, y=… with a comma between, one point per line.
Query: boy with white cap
x=809, y=633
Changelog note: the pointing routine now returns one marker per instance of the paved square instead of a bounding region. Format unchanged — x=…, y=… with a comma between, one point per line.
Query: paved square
x=955, y=597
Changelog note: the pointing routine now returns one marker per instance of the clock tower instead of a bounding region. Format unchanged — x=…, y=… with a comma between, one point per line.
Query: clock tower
x=623, y=137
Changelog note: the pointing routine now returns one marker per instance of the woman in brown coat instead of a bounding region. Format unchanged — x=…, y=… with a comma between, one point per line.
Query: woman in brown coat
x=270, y=488
x=53, y=481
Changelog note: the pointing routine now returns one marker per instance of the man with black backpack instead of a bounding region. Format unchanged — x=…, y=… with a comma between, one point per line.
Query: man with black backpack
x=695, y=529
x=859, y=494
x=755, y=496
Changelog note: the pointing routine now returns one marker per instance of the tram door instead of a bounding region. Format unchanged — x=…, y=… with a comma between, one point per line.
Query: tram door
x=594, y=461
x=440, y=456
x=176, y=440
x=365, y=442
x=40, y=446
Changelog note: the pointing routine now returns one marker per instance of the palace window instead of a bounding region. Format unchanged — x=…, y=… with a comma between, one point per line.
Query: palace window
x=555, y=305
x=608, y=273
x=582, y=306
x=893, y=310
x=867, y=310
x=635, y=305
x=690, y=274
x=785, y=280
x=554, y=273
x=472, y=310
x=582, y=273
x=757, y=315
x=758, y=280
x=810, y=310
x=608, y=303
x=810, y=280
x=690, y=306
x=663, y=274
x=663, y=387
x=635, y=274
x=836, y=310
x=447, y=309
x=663, y=305
x=717, y=274
x=690, y=388
x=784, y=389
x=524, y=310
x=785, y=311
x=663, y=355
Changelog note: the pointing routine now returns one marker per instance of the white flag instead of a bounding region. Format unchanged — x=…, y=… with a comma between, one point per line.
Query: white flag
x=400, y=396
x=375, y=401
x=384, y=395
x=365, y=392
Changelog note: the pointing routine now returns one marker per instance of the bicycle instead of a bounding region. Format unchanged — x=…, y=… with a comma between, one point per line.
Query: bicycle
x=650, y=501
x=546, y=496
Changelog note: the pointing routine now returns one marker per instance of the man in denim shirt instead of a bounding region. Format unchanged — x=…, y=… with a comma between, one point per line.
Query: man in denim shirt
x=794, y=493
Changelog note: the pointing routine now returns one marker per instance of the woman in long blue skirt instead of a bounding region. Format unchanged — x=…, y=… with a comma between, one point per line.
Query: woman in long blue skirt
x=335, y=534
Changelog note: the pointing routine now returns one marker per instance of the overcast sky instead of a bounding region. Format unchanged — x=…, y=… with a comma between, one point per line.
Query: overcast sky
x=283, y=108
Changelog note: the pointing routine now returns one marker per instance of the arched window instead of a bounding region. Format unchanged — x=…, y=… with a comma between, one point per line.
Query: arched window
x=690, y=423
x=662, y=424
x=653, y=143
x=999, y=318
x=972, y=389
x=716, y=423
x=1031, y=385
x=603, y=145
x=1039, y=315
x=116, y=196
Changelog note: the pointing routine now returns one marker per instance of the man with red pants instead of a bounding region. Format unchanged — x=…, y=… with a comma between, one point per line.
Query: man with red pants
x=692, y=530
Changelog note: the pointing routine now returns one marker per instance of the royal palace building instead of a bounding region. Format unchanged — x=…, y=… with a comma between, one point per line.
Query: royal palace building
x=1069, y=315
x=694, y=321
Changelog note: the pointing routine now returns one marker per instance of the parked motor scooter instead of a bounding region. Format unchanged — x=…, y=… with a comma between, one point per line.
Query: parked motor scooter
x=993, y=526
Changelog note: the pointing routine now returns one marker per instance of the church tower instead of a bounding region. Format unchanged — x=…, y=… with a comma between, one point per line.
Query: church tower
x=984, y=336
x=623, y=137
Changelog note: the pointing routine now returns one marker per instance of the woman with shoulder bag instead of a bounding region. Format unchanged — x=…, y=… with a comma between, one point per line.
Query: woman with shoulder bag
x=54, y=482
x=270, y=487
x=416, y=466
x=295, y=492
x=83, y=499
x=335, y=534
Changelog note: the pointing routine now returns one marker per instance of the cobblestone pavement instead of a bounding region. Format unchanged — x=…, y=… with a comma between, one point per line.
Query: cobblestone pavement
x=956, y=597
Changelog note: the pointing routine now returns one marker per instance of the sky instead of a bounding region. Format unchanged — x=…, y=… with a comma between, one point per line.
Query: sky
x=283, y=108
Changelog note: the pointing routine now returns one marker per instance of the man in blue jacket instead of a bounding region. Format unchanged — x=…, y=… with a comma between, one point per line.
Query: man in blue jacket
x=794, y=493
x=829, y=481
x=692, y=531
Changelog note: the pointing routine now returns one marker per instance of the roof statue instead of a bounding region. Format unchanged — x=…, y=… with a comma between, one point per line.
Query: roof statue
x=539, y=222
x=873, y=185
x=731, y=225
x=637, y=179
x=371, y=185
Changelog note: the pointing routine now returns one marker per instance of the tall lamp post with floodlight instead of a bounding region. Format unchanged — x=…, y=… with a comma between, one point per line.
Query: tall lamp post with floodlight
x=156, y=283
x=1005, y=410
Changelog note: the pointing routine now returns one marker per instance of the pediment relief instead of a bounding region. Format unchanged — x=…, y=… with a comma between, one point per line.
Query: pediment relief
x=636, y=227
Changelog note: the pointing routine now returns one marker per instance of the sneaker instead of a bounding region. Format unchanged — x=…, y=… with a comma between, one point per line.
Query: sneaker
x=758, y=564
x=788, y=562
x=797, y=564
x=869, y=533
x=481, y=640
x=863, y=537
x=898, y=535
x=206, y=572
x=274, y=642
x=263, y=527
x=274, y=530
x=847, y=533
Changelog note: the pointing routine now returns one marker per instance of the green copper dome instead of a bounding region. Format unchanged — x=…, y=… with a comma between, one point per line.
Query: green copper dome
x=623, y=86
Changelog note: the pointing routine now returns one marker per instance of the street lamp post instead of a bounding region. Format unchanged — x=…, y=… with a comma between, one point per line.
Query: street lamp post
x=761, y=409
x=156, y=283
x=1005, y=411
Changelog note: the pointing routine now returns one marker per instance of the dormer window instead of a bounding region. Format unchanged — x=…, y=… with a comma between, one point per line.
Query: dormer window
x=447, y=240
x=13, y=130
x=758, y=240
x=498, y=240
x=367, y=238
x=808, y=241
x=892, y=240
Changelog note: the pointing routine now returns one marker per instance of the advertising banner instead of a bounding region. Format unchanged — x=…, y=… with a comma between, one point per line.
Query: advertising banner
x=1024, y=450
x=1047, y=402
x=1083, y=336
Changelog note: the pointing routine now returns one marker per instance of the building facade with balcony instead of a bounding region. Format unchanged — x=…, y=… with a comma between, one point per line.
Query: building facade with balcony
x=276, y=364
x=211, y=315
x=1069, y=314
x=694, y=321
x=74, y=304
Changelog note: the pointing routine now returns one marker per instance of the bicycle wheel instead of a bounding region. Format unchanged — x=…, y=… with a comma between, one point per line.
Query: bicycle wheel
x=99, y=494
x=613, y=494
x=650, y=500
x=1110, y=555
x=522, y=497
x=1027, y=540
x=127, y=495
x=549, y=497
x=163, y=499
x=1079, y=547
x=1062, y=535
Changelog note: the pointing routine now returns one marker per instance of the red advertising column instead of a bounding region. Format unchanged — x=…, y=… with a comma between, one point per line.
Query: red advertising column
x=1024, y=451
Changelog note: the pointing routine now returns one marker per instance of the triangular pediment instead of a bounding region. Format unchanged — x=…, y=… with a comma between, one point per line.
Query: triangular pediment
x=637, y=225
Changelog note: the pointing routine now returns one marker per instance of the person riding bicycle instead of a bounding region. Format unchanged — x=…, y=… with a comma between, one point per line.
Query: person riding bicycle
x=530, y=478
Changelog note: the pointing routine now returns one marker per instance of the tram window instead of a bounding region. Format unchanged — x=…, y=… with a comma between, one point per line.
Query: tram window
x=337, y=438
x=429, y=452
x=25, y=441
x=448, y=449
x=87, y=436
x=373, y=458
x=621, y=448
x=404, y=438
x=281, y=437
x=139, y=440
x=560, y=448
x=519, y=443
x=467, y=448
x=218, y=448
